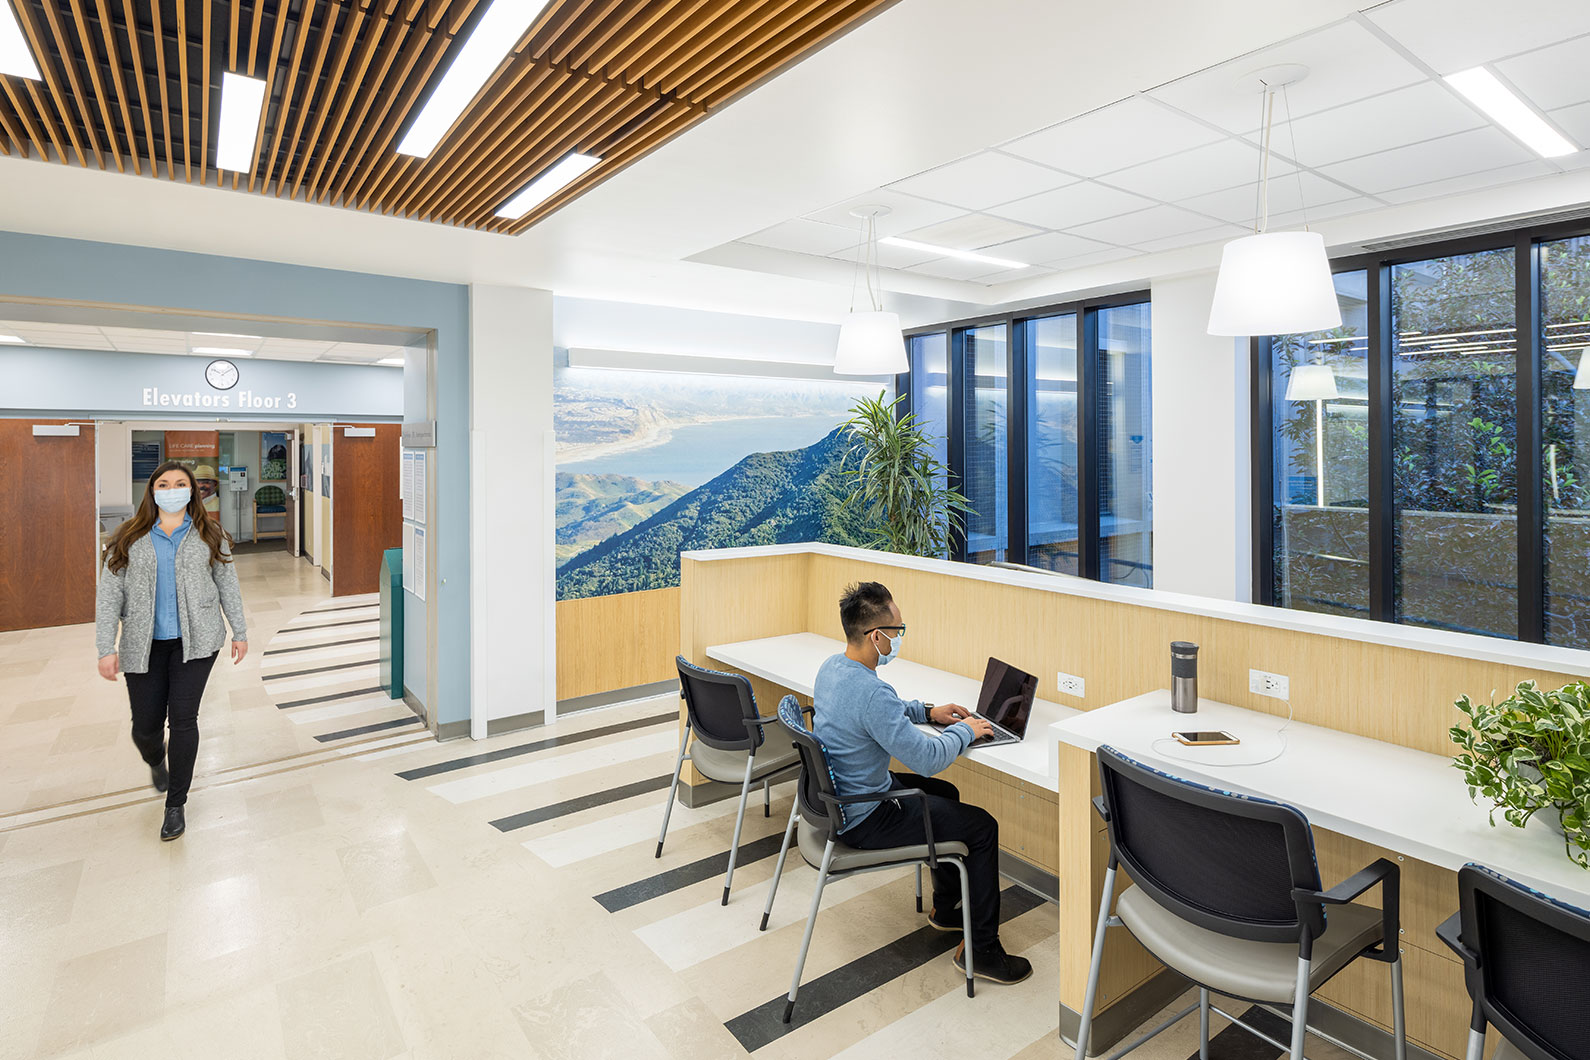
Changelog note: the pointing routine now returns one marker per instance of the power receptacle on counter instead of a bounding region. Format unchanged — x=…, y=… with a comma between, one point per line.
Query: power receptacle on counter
x=1071, y=685
x=1276, y=686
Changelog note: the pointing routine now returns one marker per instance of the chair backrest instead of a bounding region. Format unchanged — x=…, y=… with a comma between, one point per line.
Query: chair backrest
x=1223, y=861
x=1531, y=974
x=816, y=779
x=719, y=705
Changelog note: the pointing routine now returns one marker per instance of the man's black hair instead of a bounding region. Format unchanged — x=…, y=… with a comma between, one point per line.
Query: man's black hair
x=864, y=606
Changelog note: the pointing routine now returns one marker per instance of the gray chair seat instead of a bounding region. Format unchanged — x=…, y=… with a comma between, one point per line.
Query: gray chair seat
x=1256, y=971
x=847, y=858
x=1506, y=1050
x=776, y=755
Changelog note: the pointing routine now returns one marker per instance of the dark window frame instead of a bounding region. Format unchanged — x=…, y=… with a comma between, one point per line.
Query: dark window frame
x=1525, y=242
x=1017, y=426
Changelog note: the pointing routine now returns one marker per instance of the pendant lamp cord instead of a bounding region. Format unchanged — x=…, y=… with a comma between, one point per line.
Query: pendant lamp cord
x=867, y=261
x=1297, y=166
x=1268, y=111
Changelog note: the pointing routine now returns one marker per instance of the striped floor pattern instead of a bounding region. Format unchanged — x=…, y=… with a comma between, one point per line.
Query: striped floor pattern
x=586, y=795
x=321, y=671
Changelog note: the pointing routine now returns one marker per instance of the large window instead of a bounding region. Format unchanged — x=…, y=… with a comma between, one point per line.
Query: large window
x=1047, y=416
x=1429, y=462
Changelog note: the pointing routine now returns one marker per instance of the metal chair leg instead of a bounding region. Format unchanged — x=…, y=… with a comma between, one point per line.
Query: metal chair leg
x=778, y=870
x=767, y=797
x=811, y=922
x=673, y=789
x=919, y=888
x=1203, y=1023
x=1086, y=1027
x=1399, y=1032
x=739, y=821
x=1476, y=1049
x=1300, y=1009
x=966, y=919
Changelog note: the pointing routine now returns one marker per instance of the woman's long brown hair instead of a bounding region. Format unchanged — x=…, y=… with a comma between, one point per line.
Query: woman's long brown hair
x=128, y=533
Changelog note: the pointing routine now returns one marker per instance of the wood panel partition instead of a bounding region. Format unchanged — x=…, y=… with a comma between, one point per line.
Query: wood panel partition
x=957, y=618
x=606, y=643
x=49, y=555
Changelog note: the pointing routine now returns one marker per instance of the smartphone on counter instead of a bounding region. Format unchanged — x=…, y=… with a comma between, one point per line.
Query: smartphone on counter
x=1207, y=738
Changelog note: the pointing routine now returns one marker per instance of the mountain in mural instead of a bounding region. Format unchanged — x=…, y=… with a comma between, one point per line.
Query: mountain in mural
x=765, y=499
x=592, y=508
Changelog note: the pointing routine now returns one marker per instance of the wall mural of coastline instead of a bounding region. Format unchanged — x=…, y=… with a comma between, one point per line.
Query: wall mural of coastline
x=653, y=464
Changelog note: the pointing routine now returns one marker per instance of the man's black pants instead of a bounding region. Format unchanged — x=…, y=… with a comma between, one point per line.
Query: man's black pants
x=893, y=824
x=171, y=689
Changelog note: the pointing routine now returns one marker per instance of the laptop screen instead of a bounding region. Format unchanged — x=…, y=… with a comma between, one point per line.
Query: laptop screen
x=1007, y=695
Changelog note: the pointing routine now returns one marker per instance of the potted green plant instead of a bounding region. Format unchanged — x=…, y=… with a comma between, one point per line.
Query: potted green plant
x=898, y=481
x=1530, y=754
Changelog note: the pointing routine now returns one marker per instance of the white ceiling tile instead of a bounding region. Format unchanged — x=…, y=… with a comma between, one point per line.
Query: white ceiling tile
x=1219, y=234
x=1240, y=205
x=805, y=237
x=1049, y=247
x=1453, y=35
x=983, y=180
x=952, y=269
x=905, y=213
x=1123, y=134
x=888, y=257
x=1346, y=62
x=1070, y=206
x=971, y=231
x=1012, y=275
x=1408, y=115
x=1449, y=156
x=356, y=351
x=1222, y=164
x=287, y=355
x=1469, y=182
x=1132, y=229
x=1099, y=257
x=87, y=339
x=1552, y=77
x=1320, y=211
x=1575, y=121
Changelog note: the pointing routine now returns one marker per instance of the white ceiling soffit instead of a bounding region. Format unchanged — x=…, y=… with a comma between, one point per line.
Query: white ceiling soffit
x=222, y=342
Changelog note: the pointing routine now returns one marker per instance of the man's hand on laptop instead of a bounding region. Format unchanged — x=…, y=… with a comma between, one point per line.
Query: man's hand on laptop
x=948, y=714
x=982, y=728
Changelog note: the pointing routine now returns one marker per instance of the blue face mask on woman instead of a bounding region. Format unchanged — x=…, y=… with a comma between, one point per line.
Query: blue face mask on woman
x=894, y=649
x=173, y=500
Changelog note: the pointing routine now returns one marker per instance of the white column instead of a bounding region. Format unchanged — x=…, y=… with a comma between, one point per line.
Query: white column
x=511, y=546
x=1202, y=476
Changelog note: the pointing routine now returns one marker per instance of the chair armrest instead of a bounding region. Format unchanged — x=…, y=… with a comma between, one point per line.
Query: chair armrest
x=1100, y=809
x=1389, y=877
x=1449, y=931
x=895, y=793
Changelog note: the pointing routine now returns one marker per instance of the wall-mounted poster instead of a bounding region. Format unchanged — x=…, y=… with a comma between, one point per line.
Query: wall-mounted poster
x=273, y=456
x=653, y=464
x=146, y=458
x=200, y=452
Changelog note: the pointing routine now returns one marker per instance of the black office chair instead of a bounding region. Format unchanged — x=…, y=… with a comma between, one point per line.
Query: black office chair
x=1526, y=961
x=1227, y=892
x=733, y=745
x=817, y=815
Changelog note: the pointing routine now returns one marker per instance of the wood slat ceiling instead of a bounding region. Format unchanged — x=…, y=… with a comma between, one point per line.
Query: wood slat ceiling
x=137, y=86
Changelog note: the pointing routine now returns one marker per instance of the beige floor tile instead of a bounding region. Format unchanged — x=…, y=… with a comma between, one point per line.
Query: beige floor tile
x=583, y=1021
x=105, y=994
x=384, y=869
x=338, y=1012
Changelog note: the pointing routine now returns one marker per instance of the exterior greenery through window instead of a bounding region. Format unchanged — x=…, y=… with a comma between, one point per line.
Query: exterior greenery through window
x=1447, y=483
x=1046, y=421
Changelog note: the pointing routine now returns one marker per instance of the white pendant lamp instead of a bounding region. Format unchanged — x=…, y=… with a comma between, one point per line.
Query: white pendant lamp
x=1274, y=283
x=869, y=339
x=1581, y=378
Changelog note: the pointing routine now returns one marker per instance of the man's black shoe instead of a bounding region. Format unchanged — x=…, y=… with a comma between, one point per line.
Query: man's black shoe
x=159, y=777
x=174, y=824
x=996, y=965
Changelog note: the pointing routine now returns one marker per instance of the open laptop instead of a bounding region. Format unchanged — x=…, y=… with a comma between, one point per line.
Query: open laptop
x=1006, y=701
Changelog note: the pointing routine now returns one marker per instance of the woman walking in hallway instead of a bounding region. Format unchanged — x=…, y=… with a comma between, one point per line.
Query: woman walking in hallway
x=166, y=580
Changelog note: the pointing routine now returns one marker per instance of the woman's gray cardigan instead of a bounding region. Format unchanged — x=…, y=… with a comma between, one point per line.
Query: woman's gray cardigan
x=204, y=590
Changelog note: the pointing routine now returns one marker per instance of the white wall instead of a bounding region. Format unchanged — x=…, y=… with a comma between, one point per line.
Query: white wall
x=115, y=464
x=513, y=657
x=1202, y=492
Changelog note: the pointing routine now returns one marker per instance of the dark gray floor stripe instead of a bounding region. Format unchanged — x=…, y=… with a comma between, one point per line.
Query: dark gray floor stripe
x=327, y=644
x=345, y=607
x=584, y=802
x=320, y=669
x=820, y=996
x=343, y=734
x=333, y=696
x=421, y=772
x=330, y=625
x=1234, y=1043
x=632, y=894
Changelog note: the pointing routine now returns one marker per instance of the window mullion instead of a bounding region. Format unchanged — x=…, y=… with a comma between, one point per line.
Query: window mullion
x=1527, y=469
x=1382, y=499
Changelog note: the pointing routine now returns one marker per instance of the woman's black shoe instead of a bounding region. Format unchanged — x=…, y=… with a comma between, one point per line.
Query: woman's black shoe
x=159, y=777
x=996, y=966
x=174, y=824
x=946, y=921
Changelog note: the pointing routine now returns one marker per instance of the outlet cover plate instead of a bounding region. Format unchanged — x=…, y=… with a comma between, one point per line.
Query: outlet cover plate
x=1071, y=685
x=1262, y=683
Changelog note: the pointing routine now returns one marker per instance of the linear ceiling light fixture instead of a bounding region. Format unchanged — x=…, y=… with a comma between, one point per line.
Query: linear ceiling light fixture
x=241, y=100
x=13, y=338
x=391, y=362
x=1274, y=283
x=222, y=351
x=951, y=252
x=1504, y=107
x=498, y=30
x=870, y=342
x=569, y=169
x=15, y=59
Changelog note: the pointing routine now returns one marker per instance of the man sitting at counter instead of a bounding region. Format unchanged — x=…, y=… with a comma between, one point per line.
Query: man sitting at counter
x=864, y=722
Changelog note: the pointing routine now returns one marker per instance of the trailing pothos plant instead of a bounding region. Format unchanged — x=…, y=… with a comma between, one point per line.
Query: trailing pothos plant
x=1531, y=752
x=898, y=482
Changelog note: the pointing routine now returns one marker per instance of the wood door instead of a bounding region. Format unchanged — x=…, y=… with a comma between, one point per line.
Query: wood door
x=291, y=521
x=366, y=511
x=48, y=559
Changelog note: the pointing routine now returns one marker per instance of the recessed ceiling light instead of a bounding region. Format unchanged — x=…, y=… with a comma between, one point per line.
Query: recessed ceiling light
x=498, y=30
x=1483, y=89
x=548, y=184
x=13, y=338
x=950, y=252
x=241, y=100
x=392, y=361
x=222, y=351
x=15, y=59
x=224, y=335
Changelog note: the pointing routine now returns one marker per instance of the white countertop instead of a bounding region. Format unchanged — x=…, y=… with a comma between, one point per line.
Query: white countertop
x=1408, y=801
x=792, y=662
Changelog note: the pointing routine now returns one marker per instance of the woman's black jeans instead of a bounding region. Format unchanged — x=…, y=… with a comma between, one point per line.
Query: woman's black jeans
x=171, y=689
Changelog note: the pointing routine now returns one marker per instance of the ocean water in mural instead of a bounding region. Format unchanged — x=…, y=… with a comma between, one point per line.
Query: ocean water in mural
x=653, y=464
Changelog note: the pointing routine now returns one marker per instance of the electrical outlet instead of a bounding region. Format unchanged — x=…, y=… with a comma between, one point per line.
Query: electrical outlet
x=1071, y=685
x=1268, y=684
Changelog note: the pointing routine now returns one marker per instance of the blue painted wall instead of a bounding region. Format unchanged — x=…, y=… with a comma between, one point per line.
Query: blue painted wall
x=79, y=270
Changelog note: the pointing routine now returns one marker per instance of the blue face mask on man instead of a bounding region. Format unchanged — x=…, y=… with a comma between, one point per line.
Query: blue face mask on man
x=173, y=500
x=894, y=648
